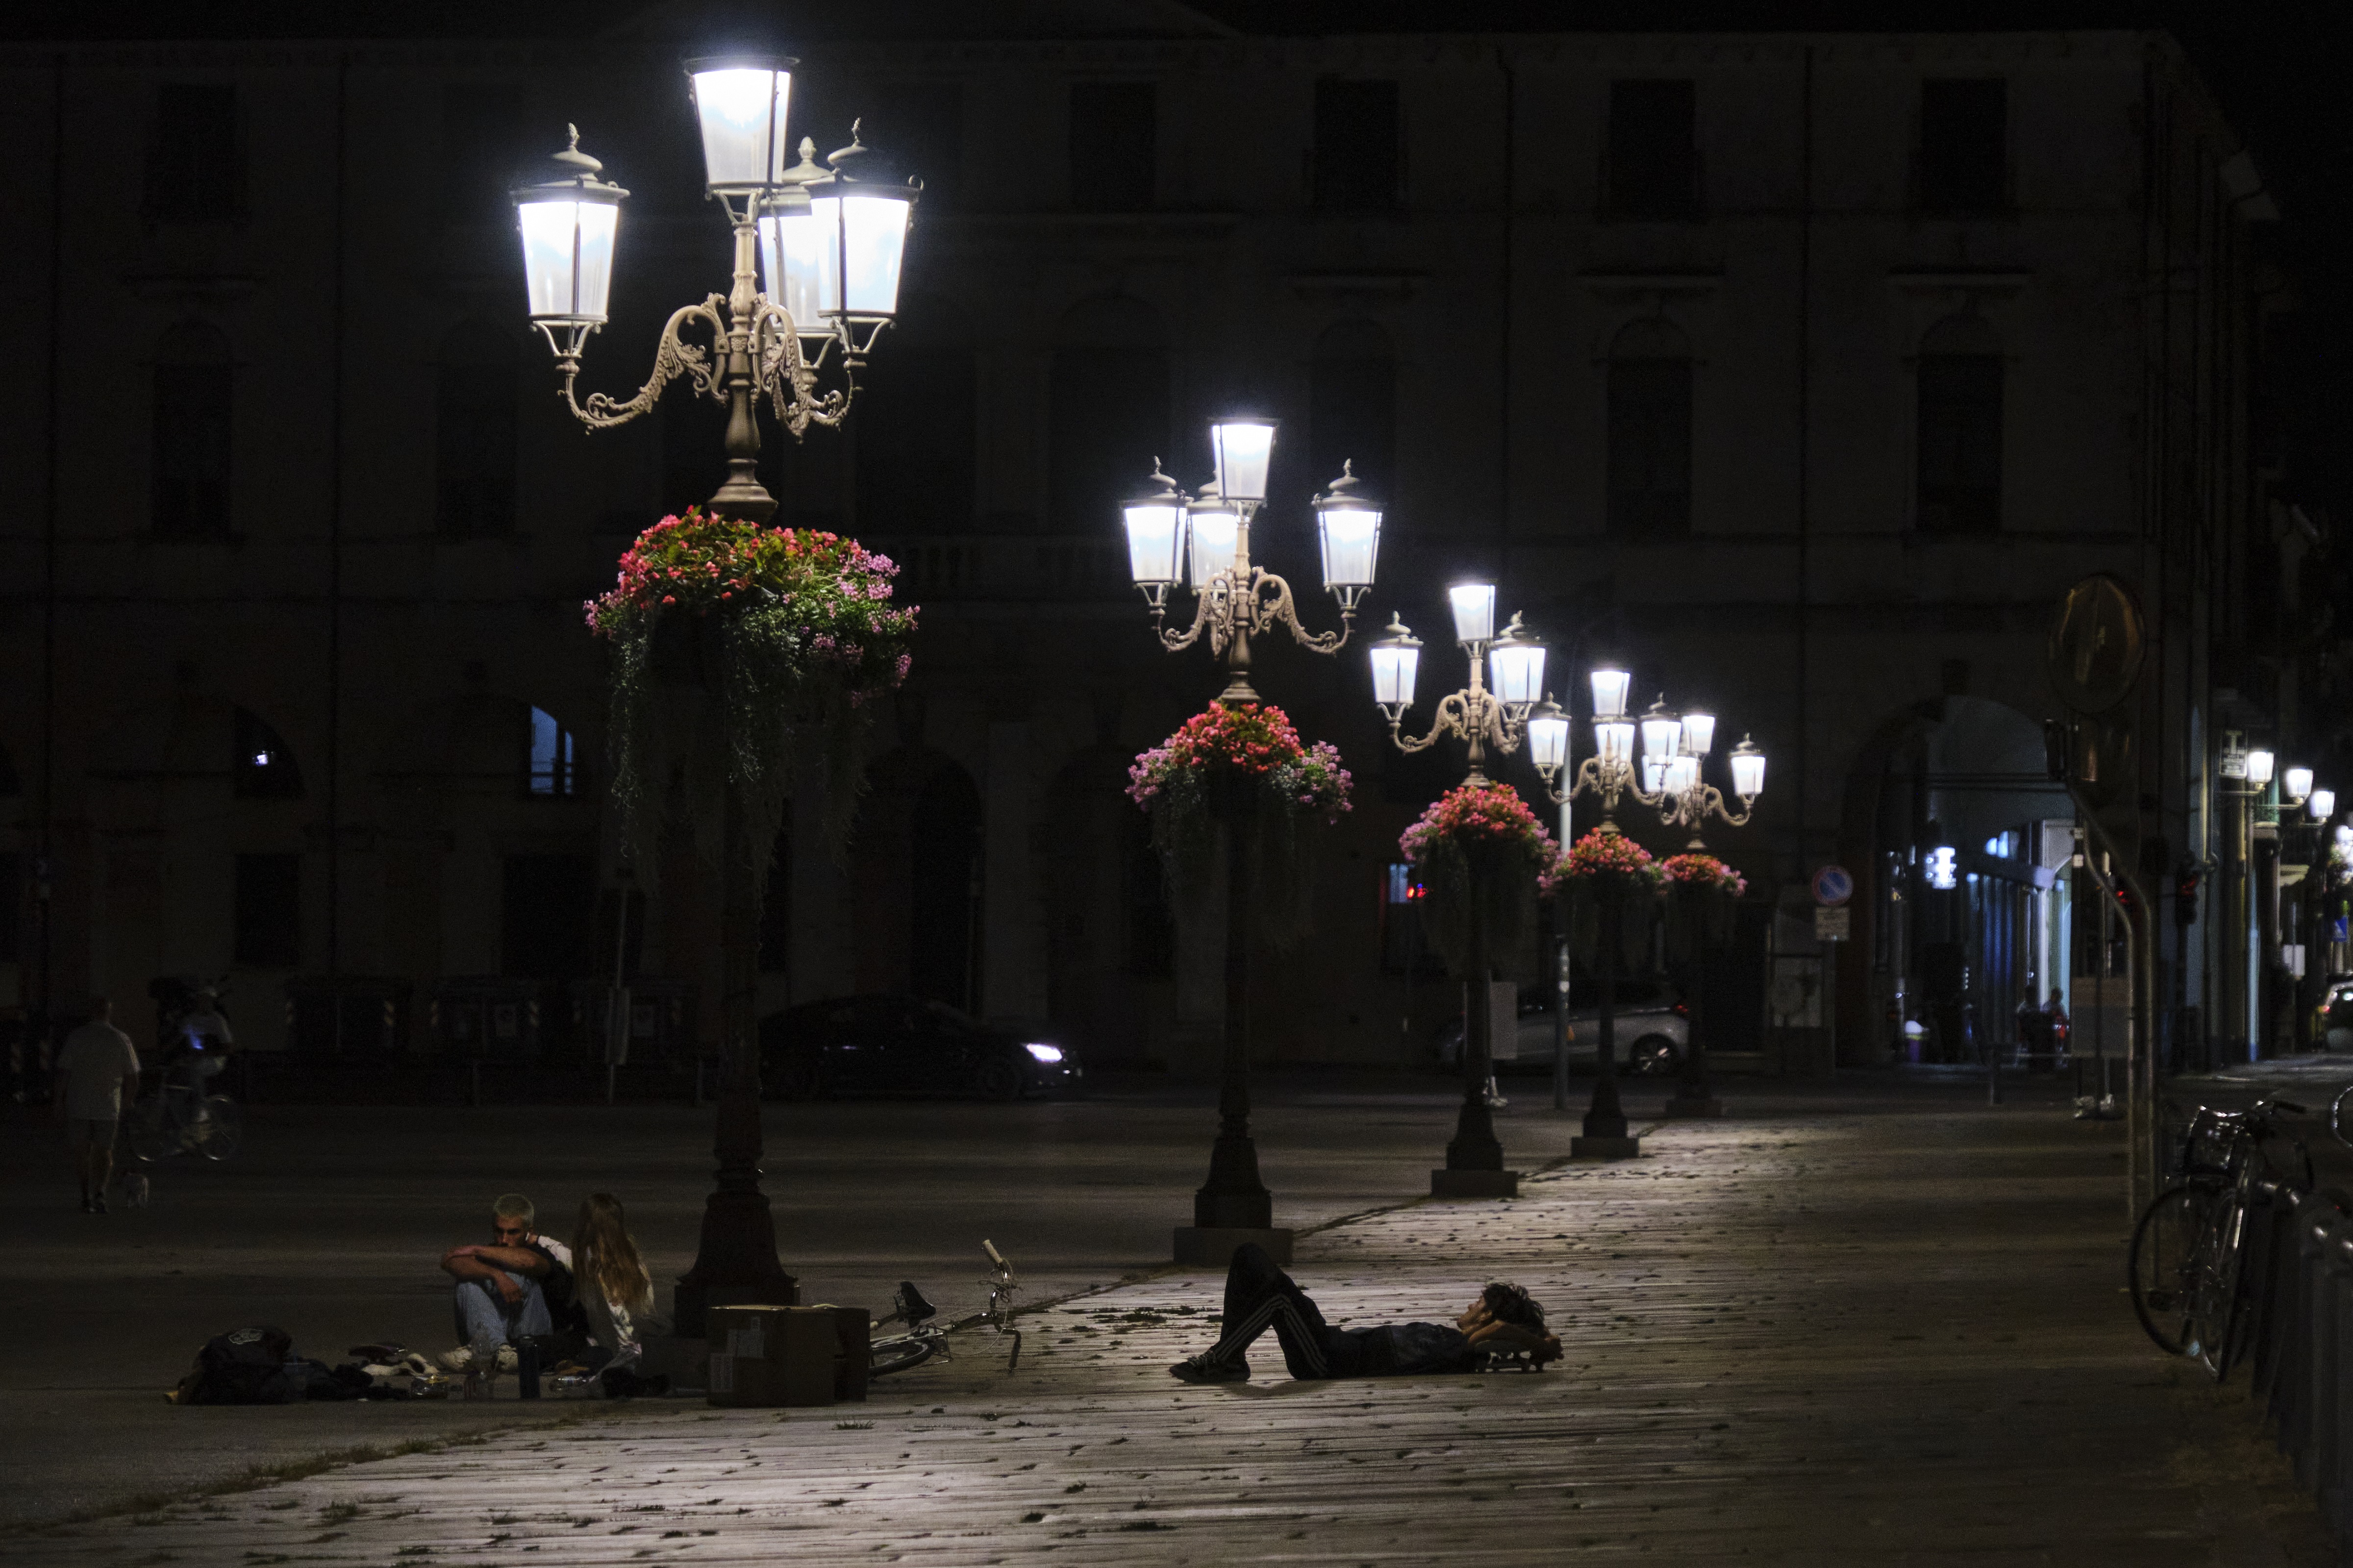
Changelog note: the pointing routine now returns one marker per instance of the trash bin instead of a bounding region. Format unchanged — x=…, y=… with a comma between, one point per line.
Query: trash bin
x=348, y=1014
x=487, y=1018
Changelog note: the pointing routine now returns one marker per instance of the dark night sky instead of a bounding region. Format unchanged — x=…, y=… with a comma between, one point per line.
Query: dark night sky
x=2279, y=67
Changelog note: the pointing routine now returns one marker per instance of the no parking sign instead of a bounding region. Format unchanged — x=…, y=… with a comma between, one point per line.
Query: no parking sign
x=1833, y=886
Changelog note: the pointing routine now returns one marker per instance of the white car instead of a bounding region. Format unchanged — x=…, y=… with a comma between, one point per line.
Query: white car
x=1651, y=1029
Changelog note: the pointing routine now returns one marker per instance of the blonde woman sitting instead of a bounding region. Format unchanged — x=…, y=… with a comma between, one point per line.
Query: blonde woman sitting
x=615, y=1292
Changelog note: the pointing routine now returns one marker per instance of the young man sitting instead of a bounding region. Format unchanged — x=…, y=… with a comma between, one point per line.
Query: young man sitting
x=519, y=1286
x=1260, y=1297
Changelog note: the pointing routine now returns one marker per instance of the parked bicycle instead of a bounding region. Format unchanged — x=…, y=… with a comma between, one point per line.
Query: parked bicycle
x=924, y=1338
x=2188, y=1248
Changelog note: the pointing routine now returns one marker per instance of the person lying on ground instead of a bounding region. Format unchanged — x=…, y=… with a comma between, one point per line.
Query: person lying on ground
x=616, y=1293
x=98, y=1074
x=519, y=1286
x=1260, y=1297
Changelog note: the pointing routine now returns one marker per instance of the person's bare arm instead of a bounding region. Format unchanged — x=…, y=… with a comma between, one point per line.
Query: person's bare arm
x=467, y=1263
x=521, y=1260
x=1498, y=1335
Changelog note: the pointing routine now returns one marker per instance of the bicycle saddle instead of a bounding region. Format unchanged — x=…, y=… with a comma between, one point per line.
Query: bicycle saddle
x=912, y=1308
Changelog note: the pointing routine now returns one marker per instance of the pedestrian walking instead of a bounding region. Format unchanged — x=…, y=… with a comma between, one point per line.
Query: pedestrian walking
x=97, y=1072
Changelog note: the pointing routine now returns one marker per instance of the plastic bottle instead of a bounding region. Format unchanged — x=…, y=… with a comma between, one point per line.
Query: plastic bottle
x=527, y=1369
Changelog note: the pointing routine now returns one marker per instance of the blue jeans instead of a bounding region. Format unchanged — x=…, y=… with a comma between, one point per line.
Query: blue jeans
x=481, y=1311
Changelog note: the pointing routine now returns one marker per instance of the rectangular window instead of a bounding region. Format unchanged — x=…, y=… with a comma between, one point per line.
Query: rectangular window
x=776, y=908
x=1960, y=442
x=1649, y=447
x=1113, y=146
x=1653, y=170
x=195, y=167
x=270, y=910
x=1358, y=156
x=192, y=450
x=1964, y=147
x=12, y=908
x=544, y=916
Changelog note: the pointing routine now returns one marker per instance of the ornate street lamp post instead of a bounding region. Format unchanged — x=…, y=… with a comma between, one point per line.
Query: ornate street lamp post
x=1204, y=542
x=1608, y=775
x=1688, y=800
x=831, y=241
x=1489, y=714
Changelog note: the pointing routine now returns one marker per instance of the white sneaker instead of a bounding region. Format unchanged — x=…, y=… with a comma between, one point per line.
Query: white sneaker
x=457, y=1360
x=507, y=1360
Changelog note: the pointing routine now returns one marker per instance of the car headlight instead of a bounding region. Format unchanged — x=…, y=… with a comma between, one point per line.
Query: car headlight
x=1044, y=1053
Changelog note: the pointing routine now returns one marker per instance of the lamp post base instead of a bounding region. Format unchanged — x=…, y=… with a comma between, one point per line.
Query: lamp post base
x=1214, y=1245
x=1693, y=1105
x=1458, y=1184
x=1605, y=1148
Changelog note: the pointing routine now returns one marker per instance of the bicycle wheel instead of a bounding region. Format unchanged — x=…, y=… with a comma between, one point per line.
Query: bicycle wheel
x=2169, y=1250
x=222, y=1132
x=152, y=1132
x=888, y=1356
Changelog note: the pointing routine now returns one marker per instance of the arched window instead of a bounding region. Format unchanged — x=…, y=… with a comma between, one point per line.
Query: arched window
x=915, y=429
x=1108, y=410
x=1650, y=462
x=191, y=422
x=1959, y=433
x=262, y=767
x=1352, y=406
x=552, y=769
x=474, y=433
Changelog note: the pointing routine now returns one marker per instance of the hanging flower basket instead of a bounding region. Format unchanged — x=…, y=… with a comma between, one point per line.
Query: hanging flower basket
x=1241, y=769
x=1605, y=869
x=1481, y=853
x=1700, y=891
x=739, y=652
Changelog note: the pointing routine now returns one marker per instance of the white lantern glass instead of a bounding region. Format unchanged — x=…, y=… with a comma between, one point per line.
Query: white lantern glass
x=2322, y=803
x=1662, y=735
x=2344, y=836
x=741, y=105
x=1156, y=539
x=1682, y=772
x=1215, y=530
x=1699, y=734
x=567, y=255
x=1614, y=739
x=1548, y=741
x=1748, y=773
x=1474, y=612
x=796, y=264
x=1654, y=775
x=2296, y=783
x=1351, y=533
x=1515, y=671
x=1610, y=688
x=1244, y=451
x=1396, y=666
x=866, y=237
x=2259, y=768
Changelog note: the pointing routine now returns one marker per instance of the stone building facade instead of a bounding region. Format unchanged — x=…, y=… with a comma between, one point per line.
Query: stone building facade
x=1804, y=373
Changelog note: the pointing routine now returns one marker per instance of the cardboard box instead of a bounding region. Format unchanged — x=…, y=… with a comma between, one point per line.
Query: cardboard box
x=764, y=1356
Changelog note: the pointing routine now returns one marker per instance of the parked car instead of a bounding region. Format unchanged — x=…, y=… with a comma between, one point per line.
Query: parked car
x=1651, y=1029
x=905, y=1044
x=2332, y=1021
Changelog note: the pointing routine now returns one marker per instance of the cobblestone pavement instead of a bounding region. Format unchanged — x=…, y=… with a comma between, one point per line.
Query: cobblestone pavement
x=1808, y=1335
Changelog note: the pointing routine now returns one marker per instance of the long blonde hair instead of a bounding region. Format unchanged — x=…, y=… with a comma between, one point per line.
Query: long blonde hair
x=603, y=1255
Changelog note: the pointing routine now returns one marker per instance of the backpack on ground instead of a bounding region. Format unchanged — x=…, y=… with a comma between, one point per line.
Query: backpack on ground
x=244, y=1366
